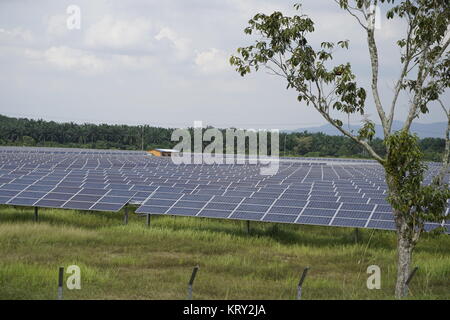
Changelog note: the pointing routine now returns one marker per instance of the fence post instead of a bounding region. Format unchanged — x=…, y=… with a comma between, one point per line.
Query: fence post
x=300, y=283
x=60, y=283
x=191, y=282
x=411, y=275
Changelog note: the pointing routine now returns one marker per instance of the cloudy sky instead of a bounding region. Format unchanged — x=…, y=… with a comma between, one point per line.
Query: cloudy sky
x=166, y=63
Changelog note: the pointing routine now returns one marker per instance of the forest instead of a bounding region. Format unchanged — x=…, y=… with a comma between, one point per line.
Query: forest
x=41, y=133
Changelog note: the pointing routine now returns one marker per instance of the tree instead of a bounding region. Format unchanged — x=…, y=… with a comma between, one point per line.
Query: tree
x=303, y=144
x=282, y=47
x=28, y=141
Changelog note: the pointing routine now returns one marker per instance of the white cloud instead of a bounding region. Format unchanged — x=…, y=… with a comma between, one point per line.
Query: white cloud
x=16, y=35
x=69, y=59
x=57, y=25
x=181, y=44
x=212, y=61
x=133, y=62
x=119, y=33
x=87, y=63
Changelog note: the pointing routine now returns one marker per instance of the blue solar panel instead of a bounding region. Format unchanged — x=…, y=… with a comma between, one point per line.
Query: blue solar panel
x=214, y=213
x=107, y=207
x=323, y=205
x=222, y=199
x=49, y=203
x=88, y=191
x=183, y=211
x=113, y=199
x=166, y=195
x=78, y=205
x=4, y=200
x=357, y=206
x=382, y=216
x=259, y=201
x=346, y=222
x=190, y=204
x=84, y=197
x=32, y=194
x=221, y=206
x=353, y=214
x=318, y=212
x=152, y=209
x=11, y=186
x=159, y=202
x=285, y=210
x=290, y=203
x=353, y=200
x=8, y=193
x=58, y=196
x=39, y=188
x=280, y=218
x=303, y=219
x=245, y=215
x=253, y=208
x=22, y=201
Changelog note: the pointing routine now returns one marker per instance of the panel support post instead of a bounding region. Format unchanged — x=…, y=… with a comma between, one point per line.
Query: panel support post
x=191, y=282
x=148, y=220
x=248, y=226
x=356, y=235
x=125, y=215
x=60, y=283
x=411, y=275
x=36, y=214
x=300, y=283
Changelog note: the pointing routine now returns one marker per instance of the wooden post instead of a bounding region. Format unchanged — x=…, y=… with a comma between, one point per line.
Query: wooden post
x=191, y=282
x=300, y=283
x=60, y=283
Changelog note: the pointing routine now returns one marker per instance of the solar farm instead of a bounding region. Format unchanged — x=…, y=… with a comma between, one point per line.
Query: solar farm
x=309, y=191
x=305, y=215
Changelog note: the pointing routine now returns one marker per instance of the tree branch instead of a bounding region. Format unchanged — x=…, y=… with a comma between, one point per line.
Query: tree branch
x=351, y=136
x=373, y=52
x=353, y=14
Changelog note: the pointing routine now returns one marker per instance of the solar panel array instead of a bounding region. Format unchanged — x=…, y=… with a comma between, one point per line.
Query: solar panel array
x=330, y=192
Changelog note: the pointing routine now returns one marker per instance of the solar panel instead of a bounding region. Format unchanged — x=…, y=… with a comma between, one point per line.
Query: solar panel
x=334, y=192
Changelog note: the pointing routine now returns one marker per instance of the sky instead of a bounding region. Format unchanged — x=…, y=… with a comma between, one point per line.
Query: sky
x=165, y=63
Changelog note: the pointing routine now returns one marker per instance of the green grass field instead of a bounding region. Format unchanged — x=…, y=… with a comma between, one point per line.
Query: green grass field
x=135, y=262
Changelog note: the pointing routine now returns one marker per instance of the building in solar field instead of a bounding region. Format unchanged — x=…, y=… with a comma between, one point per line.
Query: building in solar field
x=163, y=152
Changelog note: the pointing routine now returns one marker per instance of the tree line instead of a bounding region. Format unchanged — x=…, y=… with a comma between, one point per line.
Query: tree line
x=40, y=133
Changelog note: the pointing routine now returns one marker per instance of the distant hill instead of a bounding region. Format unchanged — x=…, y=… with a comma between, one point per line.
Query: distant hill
x=423, y=130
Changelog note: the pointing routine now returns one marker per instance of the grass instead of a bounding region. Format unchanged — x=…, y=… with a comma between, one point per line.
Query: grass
x=136, y=262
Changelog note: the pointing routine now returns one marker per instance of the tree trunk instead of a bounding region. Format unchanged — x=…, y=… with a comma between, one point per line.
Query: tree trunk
x=404, y=256
x=405, y=246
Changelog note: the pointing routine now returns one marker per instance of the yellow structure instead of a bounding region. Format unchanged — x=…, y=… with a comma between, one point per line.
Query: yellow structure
x=162, y=152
